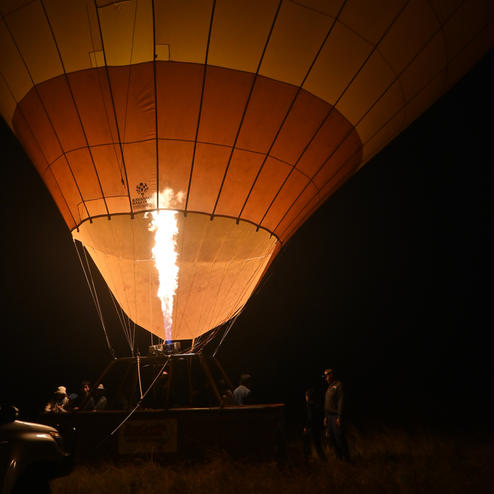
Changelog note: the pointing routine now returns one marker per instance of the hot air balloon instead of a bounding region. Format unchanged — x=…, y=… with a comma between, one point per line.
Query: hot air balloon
x=184, y=142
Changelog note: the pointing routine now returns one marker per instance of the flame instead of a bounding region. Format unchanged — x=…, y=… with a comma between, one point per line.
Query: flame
x=164, y=224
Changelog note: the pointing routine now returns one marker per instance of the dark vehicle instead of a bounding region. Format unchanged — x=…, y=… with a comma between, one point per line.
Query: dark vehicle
x=30, y=454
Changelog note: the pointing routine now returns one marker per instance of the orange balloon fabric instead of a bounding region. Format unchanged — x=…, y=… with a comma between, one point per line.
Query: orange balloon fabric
x=243, y=116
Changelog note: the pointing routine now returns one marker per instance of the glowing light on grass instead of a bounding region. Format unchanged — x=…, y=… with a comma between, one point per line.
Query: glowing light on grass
x=164, y=224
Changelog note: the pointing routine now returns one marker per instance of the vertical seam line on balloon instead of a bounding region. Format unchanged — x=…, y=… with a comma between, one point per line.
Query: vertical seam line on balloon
x=333, y=107
x=251, y=90
x=213, y=310
x=129, y=76
x=156, y=108
x=128, y=322
x=443, y=35
x=114, y=109
x=206, y=315
x=204, y=74
x=69, y=87
x=387, y=121
x=395, y=79
x=292, y=103
x=181, y=317
x=49, y=170
x=102, y=94
x=36, y=89
x=19, y=109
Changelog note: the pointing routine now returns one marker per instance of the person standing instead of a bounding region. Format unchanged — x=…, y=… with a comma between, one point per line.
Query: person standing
x=313, y=425
x=333, y=415
x=83, y=401
x=100, y=400
x=242, y=394
x=59, y=403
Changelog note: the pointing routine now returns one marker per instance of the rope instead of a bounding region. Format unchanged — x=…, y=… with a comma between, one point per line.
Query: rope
x=199, y=347
x=94, y=295
x=232, y=322
x=139, y=403
x=139, y=375
x=124, y=322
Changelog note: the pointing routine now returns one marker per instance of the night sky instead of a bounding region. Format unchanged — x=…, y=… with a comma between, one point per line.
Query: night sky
x=389, y=283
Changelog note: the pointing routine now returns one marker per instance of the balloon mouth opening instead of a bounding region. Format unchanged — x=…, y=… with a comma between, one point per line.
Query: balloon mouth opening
x=217, y=266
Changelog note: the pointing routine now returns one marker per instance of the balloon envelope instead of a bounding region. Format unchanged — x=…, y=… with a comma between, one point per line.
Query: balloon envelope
x=249, y=113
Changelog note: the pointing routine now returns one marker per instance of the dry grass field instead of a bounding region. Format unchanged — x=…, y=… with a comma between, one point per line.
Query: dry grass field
x=389, y=461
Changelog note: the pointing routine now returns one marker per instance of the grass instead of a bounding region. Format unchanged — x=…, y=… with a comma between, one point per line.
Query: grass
x=388, y=461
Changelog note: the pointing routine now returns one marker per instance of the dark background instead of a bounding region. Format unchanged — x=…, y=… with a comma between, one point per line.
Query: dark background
x=389, y=283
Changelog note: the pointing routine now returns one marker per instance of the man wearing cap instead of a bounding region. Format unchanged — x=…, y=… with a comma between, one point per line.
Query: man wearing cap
x=59, y=403
x=333, y=415
x=101, y=402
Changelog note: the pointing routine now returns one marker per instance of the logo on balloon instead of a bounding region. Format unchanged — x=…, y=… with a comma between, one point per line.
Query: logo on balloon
x=142, y=188
x=142, y=201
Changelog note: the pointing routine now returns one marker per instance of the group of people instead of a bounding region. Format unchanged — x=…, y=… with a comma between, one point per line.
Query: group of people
x=85, y=400
x=325, y=420
x=324, y=417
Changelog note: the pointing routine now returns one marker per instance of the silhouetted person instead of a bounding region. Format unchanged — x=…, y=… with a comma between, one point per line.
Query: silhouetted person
x=333, y=415
x=100, y=400
x=242, y=394
x=59, y=403
x=82, y=401
x=313, y=429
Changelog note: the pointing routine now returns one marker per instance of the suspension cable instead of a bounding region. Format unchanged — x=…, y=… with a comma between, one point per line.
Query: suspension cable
x=232, y=322
x=139, y=375
x=139, y=403
x=124, y=322
x=94, y=294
